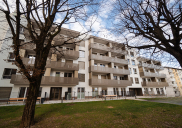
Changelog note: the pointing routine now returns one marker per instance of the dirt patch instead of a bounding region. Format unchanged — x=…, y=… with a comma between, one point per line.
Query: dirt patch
x=70, y=104
x=110, y=107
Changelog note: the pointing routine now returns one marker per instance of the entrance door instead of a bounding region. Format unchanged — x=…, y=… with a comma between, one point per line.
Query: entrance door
x=81, y=93
x=55, y=93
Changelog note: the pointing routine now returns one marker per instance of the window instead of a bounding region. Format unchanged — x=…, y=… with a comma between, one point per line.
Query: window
x=159, y=80
x=102, y=55
x=58, y=74
x=121, y=78
x=21, y=30
x=67, y=74
x=81, y=77
x=133, y=62
x=81, y=65
x=130, y=71
x=115, y=77
x=95, y=64
x=149, y=80
x=102, y=65
x=136, y=81
x=128, y=61
x=132, y=54
x=8, y=72
x=172, y=82
x=134, y=70
x=24, y=90
x=114, y=66
x=69, y=48
x=11, y=57
x=131, y=78
x=82, y=54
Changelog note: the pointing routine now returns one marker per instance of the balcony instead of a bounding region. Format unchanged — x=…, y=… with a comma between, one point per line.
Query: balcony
x=46, y=80
x=108, y=59
x=99, y=69
x=98, y=48
x=151, y=66
x=151, y=74
x=109, y=83
x=68, y=54
x=62, y=66
x=155, y=84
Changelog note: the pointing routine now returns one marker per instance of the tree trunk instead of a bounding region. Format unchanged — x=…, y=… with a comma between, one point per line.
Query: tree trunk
x=29, y=109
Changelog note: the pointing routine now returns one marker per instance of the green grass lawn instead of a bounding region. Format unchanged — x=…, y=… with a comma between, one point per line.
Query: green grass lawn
x=120, y=113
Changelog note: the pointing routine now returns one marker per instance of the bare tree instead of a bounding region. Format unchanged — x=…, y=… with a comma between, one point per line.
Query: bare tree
x=153, y=25
x=40, y=28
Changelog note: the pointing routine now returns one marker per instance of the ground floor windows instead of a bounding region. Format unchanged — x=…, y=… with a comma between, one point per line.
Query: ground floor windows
x=115, y=90
x=81, y=93
x=94, y=92
x=55, y=93
x=24, y=92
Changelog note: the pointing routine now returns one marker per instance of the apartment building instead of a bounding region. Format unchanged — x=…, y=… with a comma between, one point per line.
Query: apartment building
x=108, y=66
x=94, y=67
x=153, y=81
x=174, y=79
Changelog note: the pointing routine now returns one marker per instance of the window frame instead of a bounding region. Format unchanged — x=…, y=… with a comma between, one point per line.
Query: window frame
x=81, y=54
x=11, y=73
x=132, y=62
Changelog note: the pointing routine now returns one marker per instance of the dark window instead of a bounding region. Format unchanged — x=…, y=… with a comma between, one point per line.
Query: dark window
x=121, y=78
x=11, y=57
x=40, y=91
x=8, y=72
x=27, y=91
x=67, y=74
x=22, y=92
x=131, y=54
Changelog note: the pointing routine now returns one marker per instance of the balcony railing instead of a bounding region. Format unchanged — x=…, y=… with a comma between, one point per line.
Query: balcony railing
x=150, y=74
x=68, y=54
x=108, y=70
x=62, y=65
x=109, y=83
x=106, y=48
x=108, y=59
x=47, y=80
x=155, y=84
x=151, y=66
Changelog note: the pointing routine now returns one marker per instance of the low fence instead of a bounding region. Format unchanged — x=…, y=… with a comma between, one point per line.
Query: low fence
x=151, y=93
x=88, y=95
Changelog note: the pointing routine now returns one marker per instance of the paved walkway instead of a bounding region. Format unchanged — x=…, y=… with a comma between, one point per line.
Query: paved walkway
x=161, y=99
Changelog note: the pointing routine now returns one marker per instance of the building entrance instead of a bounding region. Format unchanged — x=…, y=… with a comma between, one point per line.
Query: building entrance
x=137, y=91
